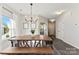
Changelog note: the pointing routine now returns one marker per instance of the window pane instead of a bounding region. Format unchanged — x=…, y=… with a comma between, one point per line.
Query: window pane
x=6, y=24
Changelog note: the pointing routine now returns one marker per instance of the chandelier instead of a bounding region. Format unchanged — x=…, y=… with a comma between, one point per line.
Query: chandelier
x=31, y=15
x=32, y=20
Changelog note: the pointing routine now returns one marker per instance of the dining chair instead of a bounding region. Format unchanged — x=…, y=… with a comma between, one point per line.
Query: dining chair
x=22, y=44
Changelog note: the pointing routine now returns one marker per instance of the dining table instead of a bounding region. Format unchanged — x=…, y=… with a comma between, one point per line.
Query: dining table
x=41, y=39
x=20, y=45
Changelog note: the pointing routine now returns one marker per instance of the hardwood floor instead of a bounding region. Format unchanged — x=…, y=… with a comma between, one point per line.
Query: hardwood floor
x=63, y=48
x=28, y=50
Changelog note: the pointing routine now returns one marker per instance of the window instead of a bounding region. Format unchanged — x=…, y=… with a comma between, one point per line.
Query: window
x=8, y=27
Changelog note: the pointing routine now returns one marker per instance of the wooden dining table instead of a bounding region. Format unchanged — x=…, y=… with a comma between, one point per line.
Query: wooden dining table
x=26, y=38
x=28, y=50
x=30, y=37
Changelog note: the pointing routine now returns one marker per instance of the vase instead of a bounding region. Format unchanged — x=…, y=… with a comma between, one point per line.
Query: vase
x=32, y=31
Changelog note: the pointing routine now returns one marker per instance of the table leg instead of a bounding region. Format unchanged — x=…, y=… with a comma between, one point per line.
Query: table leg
x=38, y=43
x=27, y=43
x=12, y=43
x=18, y=43
x=31, y=43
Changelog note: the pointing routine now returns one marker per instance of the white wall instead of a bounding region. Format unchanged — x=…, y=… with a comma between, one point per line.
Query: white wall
x=67, y=27
x=0, y=28
x=19, y=25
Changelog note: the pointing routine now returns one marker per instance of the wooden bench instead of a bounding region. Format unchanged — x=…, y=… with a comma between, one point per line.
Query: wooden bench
x=27, y=51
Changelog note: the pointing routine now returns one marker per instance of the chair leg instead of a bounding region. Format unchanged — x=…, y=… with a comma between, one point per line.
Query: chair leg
x=38, y=44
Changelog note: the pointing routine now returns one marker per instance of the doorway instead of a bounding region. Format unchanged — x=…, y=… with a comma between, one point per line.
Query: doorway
x=52, y=28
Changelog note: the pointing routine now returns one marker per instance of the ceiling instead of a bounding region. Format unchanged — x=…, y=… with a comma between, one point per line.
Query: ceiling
x=47, y=10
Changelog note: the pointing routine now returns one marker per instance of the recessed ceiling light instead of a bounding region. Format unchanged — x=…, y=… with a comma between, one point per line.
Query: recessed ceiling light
x=59, y=12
